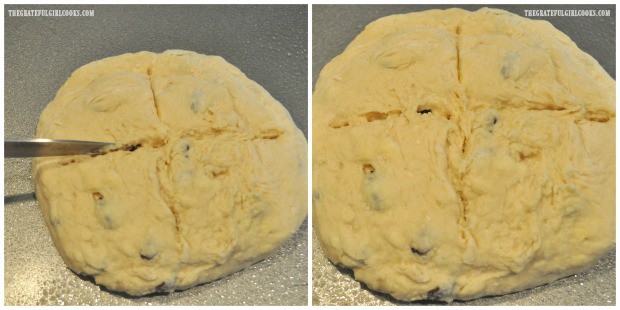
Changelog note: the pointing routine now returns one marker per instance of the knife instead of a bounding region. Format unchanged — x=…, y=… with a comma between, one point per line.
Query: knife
x=51, y=147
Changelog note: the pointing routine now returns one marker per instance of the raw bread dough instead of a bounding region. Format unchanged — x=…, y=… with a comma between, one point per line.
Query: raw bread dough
x=210, y=178
x=461, y=154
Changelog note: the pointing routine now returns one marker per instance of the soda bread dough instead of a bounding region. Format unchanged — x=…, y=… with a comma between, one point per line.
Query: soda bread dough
x=210, y=176
x=461, y=154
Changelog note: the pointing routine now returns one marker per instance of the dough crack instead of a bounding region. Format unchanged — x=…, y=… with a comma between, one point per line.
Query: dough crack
x=268, y=134
x=458, y=53
x=158, y=142
x=599, y=116
x=162, y=178
x=374, y=116
x=125, y=147
x=150, y=75
x=456, y=173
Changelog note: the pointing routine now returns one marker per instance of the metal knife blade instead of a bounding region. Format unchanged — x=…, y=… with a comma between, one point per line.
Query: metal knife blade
x=50, y=147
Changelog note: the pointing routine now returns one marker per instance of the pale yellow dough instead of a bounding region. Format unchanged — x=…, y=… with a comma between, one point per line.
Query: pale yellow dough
x=211, y=176
x=462, y=154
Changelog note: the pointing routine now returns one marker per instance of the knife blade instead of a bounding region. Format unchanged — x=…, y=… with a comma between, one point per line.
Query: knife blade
x=51, y=147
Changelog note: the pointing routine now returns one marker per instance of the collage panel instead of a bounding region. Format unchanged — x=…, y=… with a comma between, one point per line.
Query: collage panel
x=158, y=154
x=176, y=167
x=462, y=152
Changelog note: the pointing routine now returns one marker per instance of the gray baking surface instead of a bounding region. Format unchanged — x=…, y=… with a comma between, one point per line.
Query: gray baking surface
x=334, y=27
x=267, y=43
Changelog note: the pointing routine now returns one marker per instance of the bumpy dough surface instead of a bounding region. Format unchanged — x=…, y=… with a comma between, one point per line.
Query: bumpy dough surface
x=461, y=154
x=211, y=176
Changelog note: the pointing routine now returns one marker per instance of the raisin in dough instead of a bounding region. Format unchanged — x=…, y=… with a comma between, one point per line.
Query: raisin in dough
x=461, y=154
x=210, y=176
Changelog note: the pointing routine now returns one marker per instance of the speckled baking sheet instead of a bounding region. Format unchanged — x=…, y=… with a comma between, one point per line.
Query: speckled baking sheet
x=334, y=27
x=268, y=43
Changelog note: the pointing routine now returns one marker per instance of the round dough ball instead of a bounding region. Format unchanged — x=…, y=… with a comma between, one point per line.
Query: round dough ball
x=210, y=175
x=461, y=154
